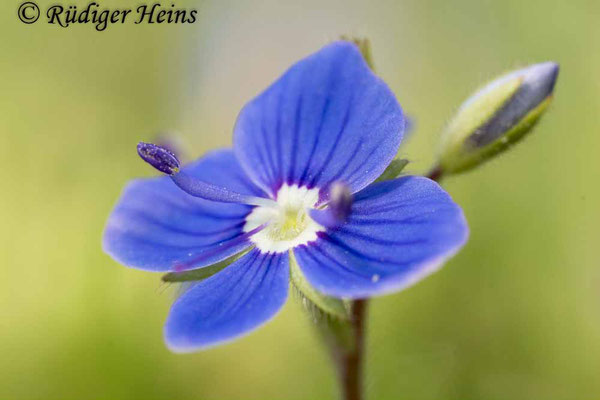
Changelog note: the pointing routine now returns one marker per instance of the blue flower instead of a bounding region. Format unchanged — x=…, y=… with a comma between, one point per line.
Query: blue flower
x=297, y=183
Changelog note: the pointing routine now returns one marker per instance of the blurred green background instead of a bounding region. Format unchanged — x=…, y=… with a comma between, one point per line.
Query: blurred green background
x=516, y=315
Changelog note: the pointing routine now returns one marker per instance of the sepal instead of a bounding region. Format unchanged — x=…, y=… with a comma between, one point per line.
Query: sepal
x=316, y=304
x=200, y=274
x=364, y=45
x=393, y=170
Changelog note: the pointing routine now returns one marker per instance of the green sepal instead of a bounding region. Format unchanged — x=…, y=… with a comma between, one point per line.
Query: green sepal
x=317, y=304
x=393, y=170
x=203, y=273
x=337, y=334
x=364, y=45
x=331, y=316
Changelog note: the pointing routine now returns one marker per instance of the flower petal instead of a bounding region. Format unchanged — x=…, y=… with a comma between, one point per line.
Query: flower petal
x=328, y=118
x=398, y=232
x=156, y=226
x=229, y=304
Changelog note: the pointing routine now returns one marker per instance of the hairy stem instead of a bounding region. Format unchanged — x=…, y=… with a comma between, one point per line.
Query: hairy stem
x=351, y=362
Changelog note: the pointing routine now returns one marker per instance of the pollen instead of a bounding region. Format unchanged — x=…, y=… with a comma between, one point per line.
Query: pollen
x=287, y=221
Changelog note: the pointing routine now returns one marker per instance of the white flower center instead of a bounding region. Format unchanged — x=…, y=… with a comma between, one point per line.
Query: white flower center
x=287, y=224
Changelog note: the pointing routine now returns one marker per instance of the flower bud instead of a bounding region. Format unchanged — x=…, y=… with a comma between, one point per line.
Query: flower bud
x=496, y=116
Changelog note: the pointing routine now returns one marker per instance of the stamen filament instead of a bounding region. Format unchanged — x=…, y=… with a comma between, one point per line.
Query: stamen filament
x=165, y=161
x=197, y=188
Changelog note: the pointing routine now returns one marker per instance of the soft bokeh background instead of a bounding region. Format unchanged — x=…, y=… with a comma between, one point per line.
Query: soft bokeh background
x=516, y=315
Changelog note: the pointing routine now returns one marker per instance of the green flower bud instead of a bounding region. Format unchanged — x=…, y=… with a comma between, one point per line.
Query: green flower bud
x=496, y=116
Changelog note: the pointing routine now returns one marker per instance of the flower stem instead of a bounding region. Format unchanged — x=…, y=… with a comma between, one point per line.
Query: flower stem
x=435, y=174
x=351, y=362
x=349, y=354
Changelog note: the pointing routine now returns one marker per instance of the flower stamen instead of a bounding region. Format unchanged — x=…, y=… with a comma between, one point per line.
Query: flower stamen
x=288, y=224
x=165, y=161
x=338, y=208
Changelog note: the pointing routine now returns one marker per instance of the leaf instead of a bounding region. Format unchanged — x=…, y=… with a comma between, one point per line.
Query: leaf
x=393, y=170
x=317, y=304
x=203, y=273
